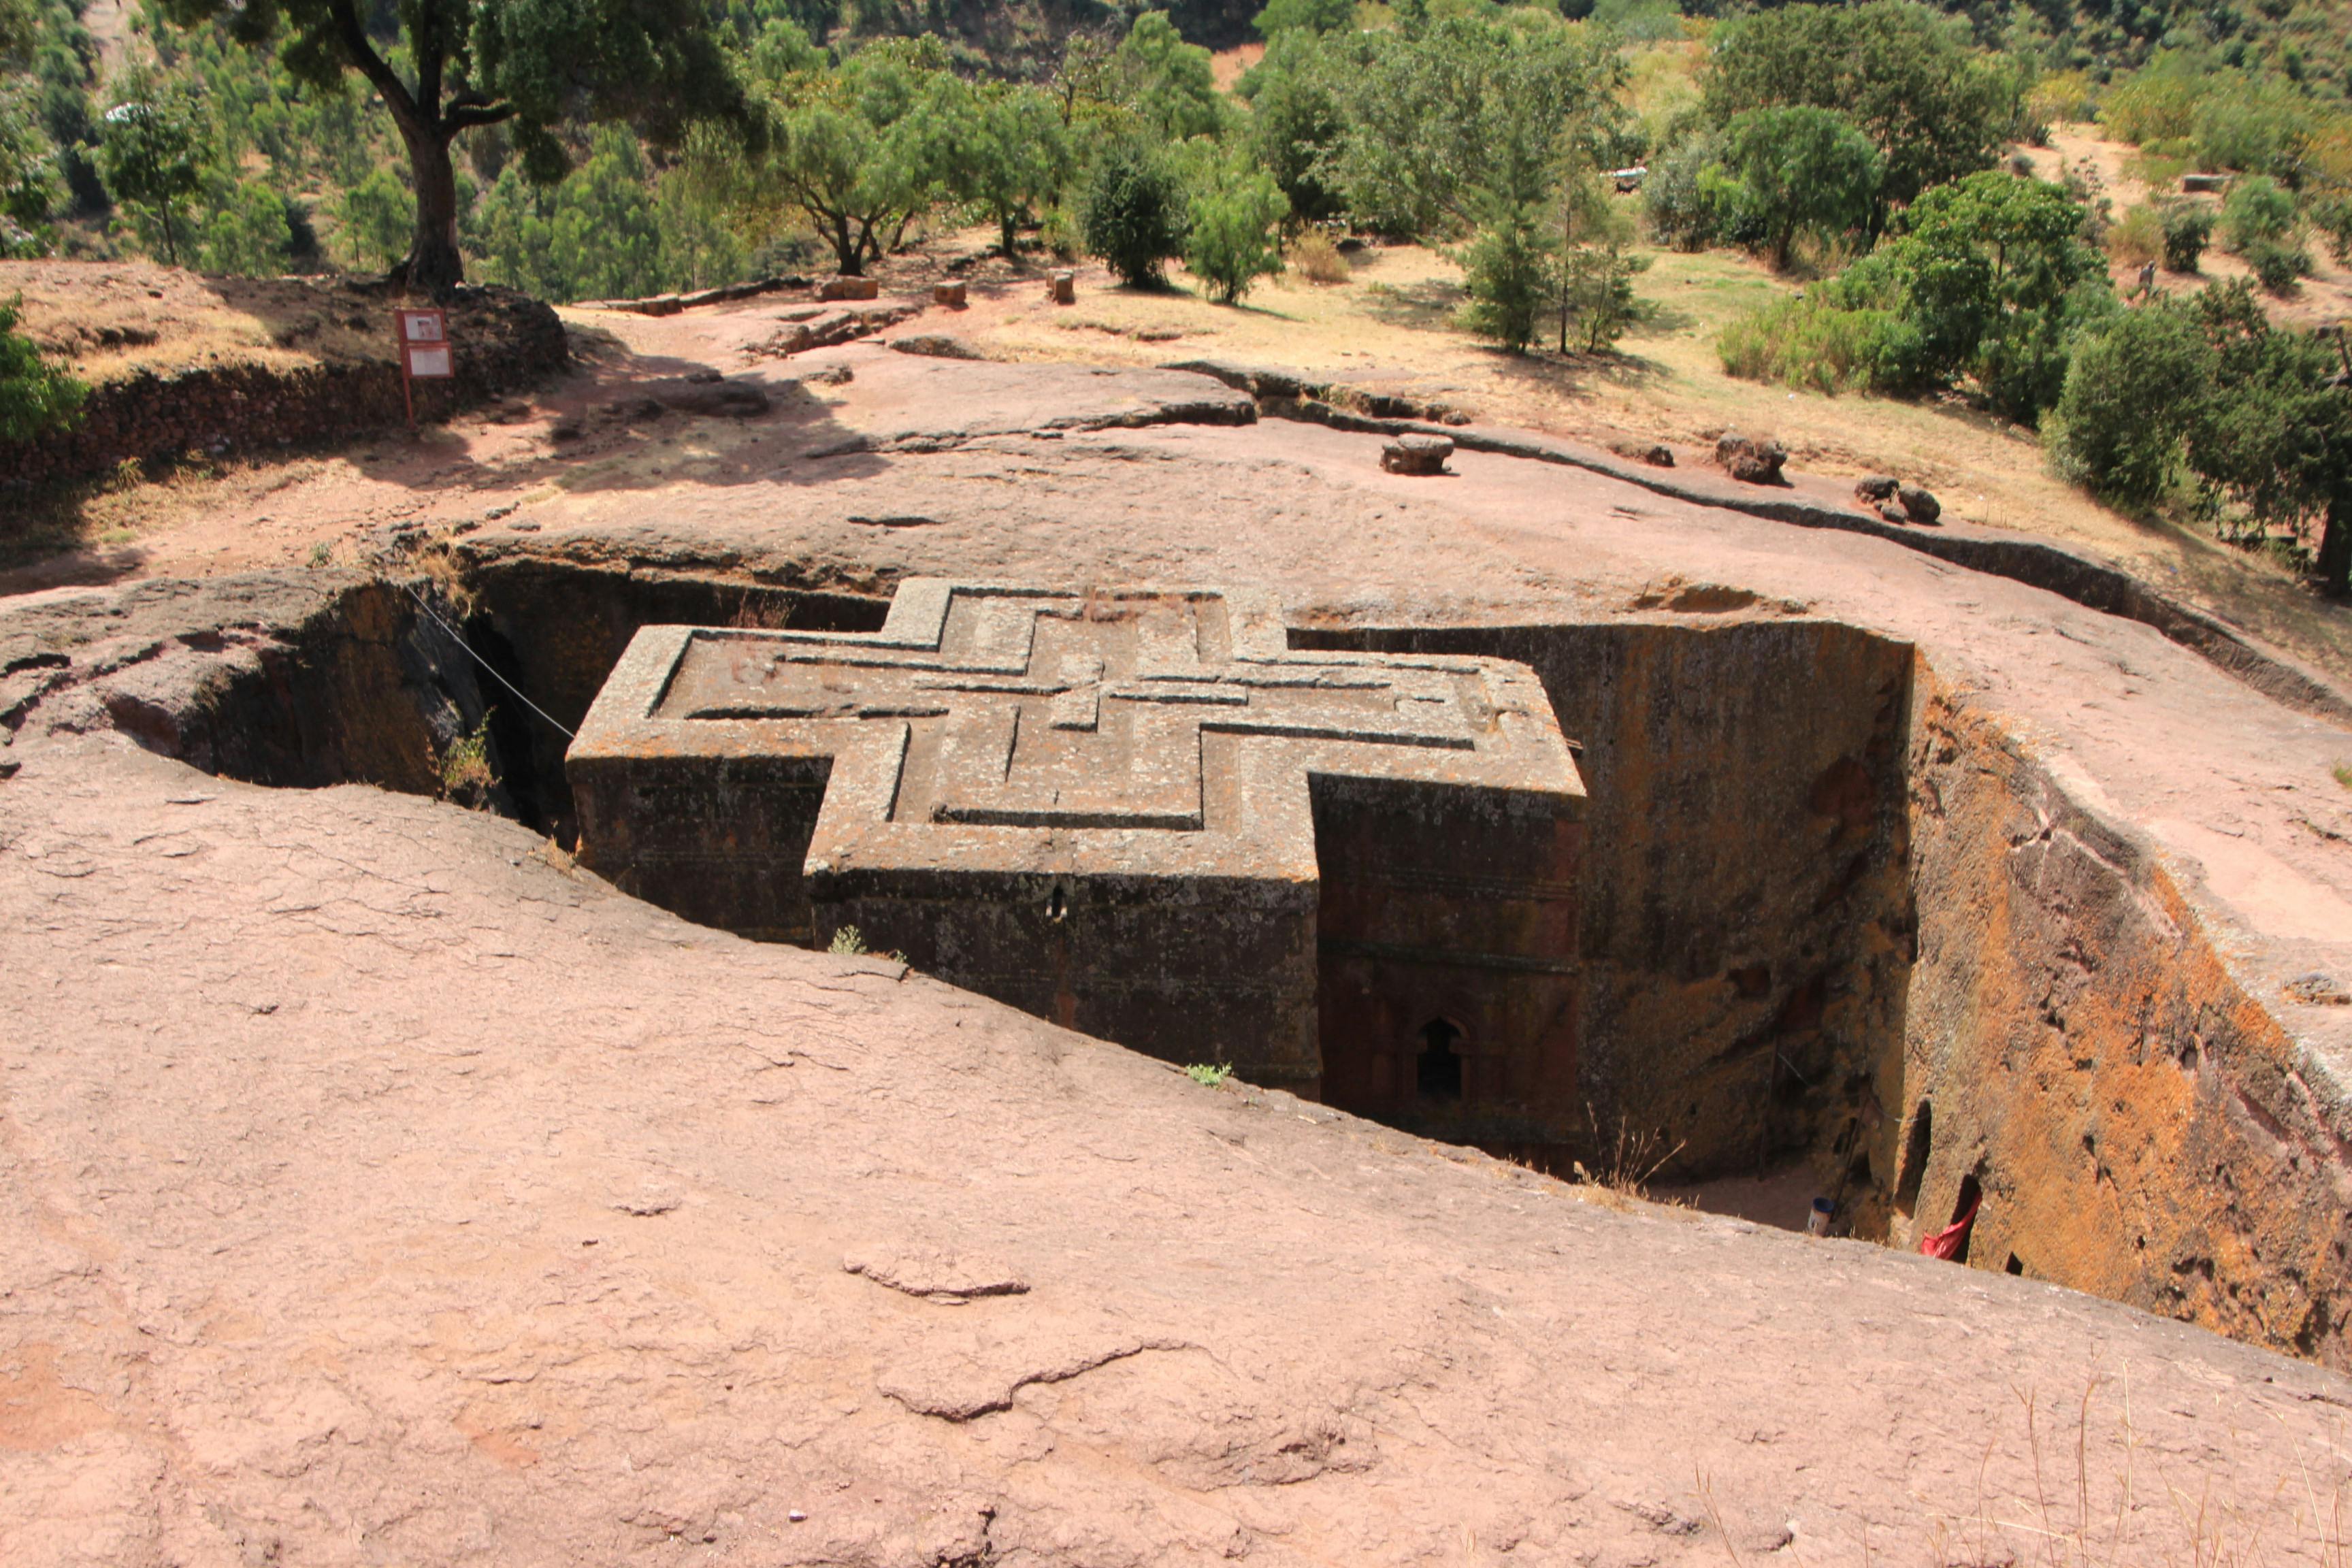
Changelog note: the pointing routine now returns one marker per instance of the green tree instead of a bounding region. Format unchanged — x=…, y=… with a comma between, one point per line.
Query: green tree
x=1133, y=212
x=1989, y=278
x=1168, y=83
x=1232, y=236
x=1593, y=270
x=1905, y=74
x=375, y=221
x=1507, y=271
x=1304, y=16
x=847, y=146
x=1803, y=170
x=240, y=228
x=592, y=235
x=1296, y=120
x=999, y=146
x=2257, y=414
x=2275, y=438
x=1452, y=129
x=27, y=186
x=445, y=68
x=152, y=157
x=36, y=396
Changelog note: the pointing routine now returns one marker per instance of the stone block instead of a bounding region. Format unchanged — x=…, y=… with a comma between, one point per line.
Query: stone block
x=951, y=295
x=1138, y=814
x=1749, y=461
x=845, y=288
x=1064, y=287
x=1417, y=454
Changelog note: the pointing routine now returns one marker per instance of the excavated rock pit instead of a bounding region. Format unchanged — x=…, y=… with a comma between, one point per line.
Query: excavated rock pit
x=1912, y=884
x=1830, y=922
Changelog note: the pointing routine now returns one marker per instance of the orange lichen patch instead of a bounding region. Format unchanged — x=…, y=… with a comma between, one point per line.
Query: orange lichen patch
x=39, y=1409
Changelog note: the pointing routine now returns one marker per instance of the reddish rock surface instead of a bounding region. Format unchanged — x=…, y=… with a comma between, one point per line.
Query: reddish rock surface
x=314, y=1100
x=382, y=1189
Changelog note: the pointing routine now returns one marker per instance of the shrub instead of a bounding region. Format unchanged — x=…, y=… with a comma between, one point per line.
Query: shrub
x=2137, y=238
x=1314, y=257
x=36, y=396
x=2277, y=263
x=2257, y=209
x=2130, y=392
x=1812, y=342
x=1133, y=215
x=1678, y=199
x=1230, y=238
x=2331, y=214
x=2188, y=228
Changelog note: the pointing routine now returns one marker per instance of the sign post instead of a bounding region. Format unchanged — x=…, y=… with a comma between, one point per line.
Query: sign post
x=424, y=354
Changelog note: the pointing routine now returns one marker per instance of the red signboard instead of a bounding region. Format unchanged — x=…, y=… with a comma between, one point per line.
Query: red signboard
x=425, y=343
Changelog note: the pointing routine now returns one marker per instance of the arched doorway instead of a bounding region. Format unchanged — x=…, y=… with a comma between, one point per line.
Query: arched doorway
x=1437, y=1070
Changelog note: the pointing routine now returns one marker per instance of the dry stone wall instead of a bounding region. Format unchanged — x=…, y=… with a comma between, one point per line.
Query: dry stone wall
x=505, y=343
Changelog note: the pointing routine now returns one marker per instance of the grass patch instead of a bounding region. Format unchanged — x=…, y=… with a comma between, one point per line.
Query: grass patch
x=1209, y=1076
x=1808, y=343
x=2343, y=774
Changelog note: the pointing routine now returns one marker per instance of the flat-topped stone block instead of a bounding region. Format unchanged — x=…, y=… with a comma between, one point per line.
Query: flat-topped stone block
x=1138, y=813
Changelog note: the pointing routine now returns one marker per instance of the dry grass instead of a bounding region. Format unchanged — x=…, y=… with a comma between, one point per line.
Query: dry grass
x=1315, y=257
x=1624, y=1165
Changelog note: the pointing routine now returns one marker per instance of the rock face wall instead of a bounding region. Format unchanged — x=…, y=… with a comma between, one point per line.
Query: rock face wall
x=1449, y=995
x=1745, y=919
x=2076, y=1052
x=505, y=341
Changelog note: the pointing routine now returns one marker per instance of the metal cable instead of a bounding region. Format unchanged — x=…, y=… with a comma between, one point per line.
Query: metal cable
x=459, y=637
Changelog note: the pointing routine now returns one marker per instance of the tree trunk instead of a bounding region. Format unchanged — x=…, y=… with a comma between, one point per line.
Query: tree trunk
x=1005, y=217
x=2336, y=548
x=848, y=252
x=434, y=265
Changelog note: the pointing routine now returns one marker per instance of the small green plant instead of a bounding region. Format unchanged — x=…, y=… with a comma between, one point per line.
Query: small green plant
x=321, y=553
x=466, y=773
x=1209, y=1076
x=849, y=941
x=2343, y=774
x=2188, y=229
x=2277, y=263
x=36, y=396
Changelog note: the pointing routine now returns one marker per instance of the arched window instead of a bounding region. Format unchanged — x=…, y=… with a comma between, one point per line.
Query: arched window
x=1438, y=1070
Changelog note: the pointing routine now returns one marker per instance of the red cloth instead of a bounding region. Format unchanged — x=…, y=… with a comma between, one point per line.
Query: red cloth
x=1946, y=1242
